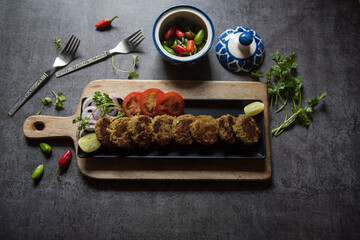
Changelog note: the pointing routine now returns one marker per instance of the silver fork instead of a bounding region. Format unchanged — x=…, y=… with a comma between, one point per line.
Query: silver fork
x=63, y=59
x=125, y=46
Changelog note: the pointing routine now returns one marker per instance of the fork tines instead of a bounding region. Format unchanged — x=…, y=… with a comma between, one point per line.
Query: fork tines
x=135, y=39
x=72, y=45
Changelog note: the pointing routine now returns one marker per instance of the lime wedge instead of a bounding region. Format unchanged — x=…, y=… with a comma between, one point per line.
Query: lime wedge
x=254, y=108
x=89, y=143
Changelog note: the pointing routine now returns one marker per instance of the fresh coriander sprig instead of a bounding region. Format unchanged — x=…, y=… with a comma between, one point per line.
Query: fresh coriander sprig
x=299, y=112
x=102, y=101
x=45, y=101
x=57, y=41
x=60, y=99
x=132, y=74
x=285, y=86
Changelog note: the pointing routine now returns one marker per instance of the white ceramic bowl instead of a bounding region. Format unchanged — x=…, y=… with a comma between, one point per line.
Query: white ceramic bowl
x=193, y=15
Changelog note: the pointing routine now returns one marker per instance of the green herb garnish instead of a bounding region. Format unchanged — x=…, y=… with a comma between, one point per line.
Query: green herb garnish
x=284, y=85
x=132, y=74
x=60, y=99
x=57, y=41
x=299, y=112
x=102, y=102
x=45, y=101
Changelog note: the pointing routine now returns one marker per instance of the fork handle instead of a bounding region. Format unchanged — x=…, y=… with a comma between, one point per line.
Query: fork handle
x=83, y=64
x=31, y=91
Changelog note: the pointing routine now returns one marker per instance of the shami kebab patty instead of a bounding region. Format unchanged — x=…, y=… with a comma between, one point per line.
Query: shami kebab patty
x=181, y=129
x=226, y=133
x=246, y=130
x=120, y=136
x=139, y=128
x=161, y=129
x=102, y=131
x=204, y=129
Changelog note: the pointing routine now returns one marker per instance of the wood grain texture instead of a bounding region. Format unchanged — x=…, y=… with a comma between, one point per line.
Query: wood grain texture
x=163, y=169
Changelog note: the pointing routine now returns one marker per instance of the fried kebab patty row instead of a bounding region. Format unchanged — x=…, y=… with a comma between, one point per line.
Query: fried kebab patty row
x=140, y=131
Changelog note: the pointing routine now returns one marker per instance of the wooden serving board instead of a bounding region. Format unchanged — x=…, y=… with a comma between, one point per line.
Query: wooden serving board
x=41, y=126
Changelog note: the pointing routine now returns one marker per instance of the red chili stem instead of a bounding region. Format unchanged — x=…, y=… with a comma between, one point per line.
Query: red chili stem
x=57, y=172
x=110, y=20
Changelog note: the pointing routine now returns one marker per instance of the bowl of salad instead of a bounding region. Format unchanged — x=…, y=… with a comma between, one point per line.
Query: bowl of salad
x=183, y=34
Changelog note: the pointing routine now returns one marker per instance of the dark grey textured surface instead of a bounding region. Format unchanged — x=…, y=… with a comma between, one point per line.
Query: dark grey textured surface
x=314, y=190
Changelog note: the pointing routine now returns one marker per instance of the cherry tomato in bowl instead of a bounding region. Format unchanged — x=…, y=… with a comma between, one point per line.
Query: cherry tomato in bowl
x=148, y=101
x=131, y=104
x=171, y=104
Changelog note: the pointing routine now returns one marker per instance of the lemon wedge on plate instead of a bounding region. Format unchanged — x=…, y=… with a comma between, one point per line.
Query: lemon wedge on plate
x=89, y=143
x=254, y=108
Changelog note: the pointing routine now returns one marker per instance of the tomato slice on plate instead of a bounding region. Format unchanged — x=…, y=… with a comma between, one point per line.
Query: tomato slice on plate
x=148, y=101
x=171, y=104
x=131, y=104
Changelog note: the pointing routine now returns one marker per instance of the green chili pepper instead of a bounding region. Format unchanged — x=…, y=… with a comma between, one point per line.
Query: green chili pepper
x=195, y=49
x=199, y=37
x=201, y=46
x=36, y=175
x=169, y=49
x=176, y=42
x=46, y=148
x=169, y=42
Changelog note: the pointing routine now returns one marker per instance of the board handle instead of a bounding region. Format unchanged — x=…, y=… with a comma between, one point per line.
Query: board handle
x=49, y=126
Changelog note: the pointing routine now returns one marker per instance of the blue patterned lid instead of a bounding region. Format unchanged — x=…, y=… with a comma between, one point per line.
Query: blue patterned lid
x=240, y=49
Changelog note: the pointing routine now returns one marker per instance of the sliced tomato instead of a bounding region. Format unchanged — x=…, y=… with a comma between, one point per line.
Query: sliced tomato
x=131, y=104
x=148, y=101
x=171, y=104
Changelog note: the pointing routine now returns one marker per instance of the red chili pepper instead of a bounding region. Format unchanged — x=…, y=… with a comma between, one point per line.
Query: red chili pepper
x=64, y=161
x=169, y=33
x=105, y=22
x=180, y=49
x=179, y=34
x=190, y=46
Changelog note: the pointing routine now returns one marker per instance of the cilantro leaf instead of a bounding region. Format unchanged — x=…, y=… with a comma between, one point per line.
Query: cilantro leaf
x=275, y=56
x=102, y=101
x=285, y=86
x=57, y=41
x=60, y=99
x=133, y=75
x=45, y=101
x=121, y=114
x=257, y=73
x=304, y=119
x=135, y=59
x=314, y=101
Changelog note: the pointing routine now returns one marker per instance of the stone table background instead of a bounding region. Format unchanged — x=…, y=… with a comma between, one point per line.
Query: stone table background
x=314, y=190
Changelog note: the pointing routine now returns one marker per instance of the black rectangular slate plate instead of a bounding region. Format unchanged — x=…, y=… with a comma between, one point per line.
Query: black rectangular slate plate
x=213, y=107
